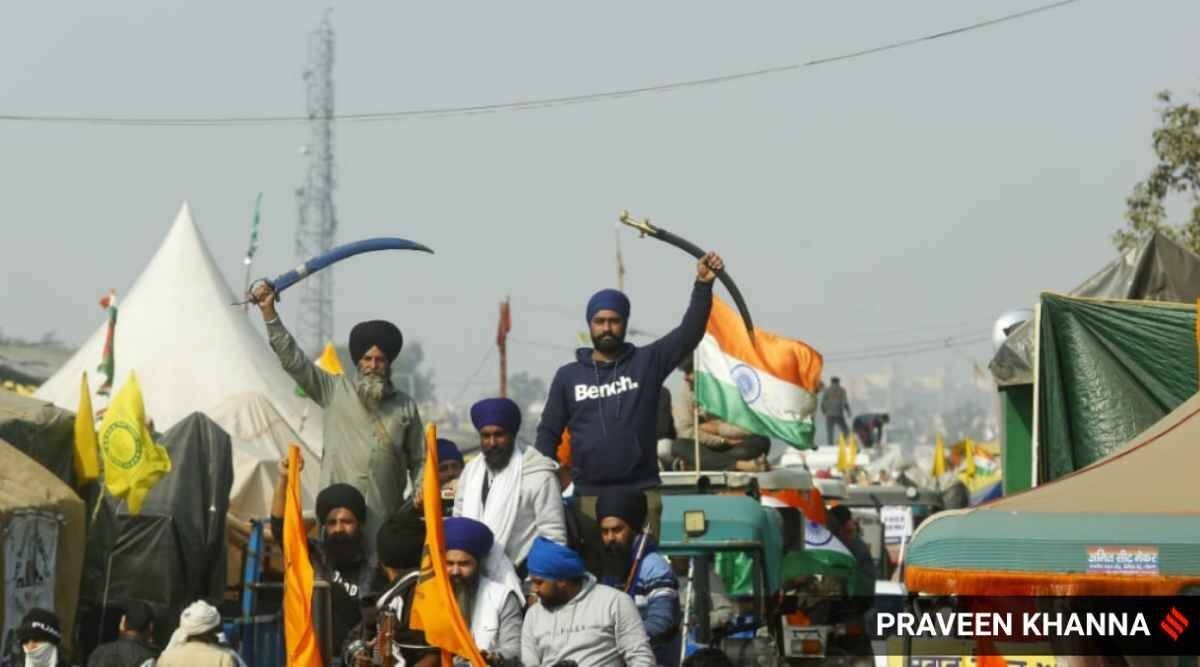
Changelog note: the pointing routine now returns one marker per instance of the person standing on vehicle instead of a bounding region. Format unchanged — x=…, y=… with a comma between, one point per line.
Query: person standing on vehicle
x=373, y=434
x=835, y=405
x=609, y=396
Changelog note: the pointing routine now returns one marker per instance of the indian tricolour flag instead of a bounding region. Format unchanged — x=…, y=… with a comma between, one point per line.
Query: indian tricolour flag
x=766, y=386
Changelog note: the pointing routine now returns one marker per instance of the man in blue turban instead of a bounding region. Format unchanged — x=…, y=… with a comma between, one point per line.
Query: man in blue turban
x=511, y=488
x=450, y=461
x=492, y=609
x=609, y=396
x=577, y=619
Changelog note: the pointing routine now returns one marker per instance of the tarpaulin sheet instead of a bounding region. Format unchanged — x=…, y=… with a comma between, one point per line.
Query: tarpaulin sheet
x=41, y=431
x=1158, y=269
x=1108, y=370
x=174, y=552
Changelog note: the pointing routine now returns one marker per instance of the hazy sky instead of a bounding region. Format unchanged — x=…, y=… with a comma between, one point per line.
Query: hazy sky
x=908, y=195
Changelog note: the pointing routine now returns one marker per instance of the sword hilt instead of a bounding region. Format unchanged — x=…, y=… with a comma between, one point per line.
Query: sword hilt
x=642, y=225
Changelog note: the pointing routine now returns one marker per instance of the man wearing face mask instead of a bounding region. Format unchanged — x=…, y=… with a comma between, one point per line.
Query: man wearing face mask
x=373, y=432
x=632, y=564
x=510, y=488
x=40, y=637
x=609, y=396
x=341, y=555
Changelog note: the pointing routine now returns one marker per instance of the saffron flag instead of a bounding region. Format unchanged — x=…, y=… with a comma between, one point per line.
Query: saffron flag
x=133, y=462
x=435, y=607
x=767, y=385
x=87, y=457
x=852, y=452
x=108, y=364
x=301, y=640
x=843, y=462
x=329, y=361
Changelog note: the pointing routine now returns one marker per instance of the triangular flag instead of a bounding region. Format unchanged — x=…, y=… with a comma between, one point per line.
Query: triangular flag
x=301, y=640
x=969, y=452
x=435, y=607
x=329, y=361
x=87, y=456
x=133, y=462
x=939, y=456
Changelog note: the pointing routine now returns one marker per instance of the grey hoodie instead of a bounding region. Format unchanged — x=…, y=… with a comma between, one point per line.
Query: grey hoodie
x=600, y=627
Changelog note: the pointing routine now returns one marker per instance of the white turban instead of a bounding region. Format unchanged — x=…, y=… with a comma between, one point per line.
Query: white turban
x=200, y=617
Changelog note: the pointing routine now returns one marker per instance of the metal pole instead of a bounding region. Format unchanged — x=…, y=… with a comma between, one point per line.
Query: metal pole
x=323, y=619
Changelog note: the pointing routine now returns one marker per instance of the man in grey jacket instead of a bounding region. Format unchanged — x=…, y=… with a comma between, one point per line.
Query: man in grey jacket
x=373, y=437
x=578, y=620
x=510, y=488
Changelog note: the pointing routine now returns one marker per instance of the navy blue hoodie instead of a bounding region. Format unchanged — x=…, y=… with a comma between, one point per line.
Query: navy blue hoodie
x=612, y=407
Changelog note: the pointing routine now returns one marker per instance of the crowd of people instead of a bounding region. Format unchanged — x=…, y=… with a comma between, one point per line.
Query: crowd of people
x=552, y=556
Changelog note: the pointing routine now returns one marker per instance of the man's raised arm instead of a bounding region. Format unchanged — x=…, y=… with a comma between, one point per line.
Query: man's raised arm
x=317, y=384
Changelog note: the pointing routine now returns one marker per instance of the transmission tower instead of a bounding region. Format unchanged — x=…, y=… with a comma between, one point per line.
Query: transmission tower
x=316, y=228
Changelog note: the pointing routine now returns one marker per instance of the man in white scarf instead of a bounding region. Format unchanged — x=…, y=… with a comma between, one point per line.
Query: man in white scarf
x=491, y=606
x=510, y=488
x=40, y=637
x=196, y=643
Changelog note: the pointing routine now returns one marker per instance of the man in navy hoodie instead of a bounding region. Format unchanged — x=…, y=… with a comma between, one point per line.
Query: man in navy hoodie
x=608, y=397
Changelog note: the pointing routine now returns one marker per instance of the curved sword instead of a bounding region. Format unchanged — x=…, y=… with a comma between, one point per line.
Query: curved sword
x=336, y=255
x=692, y=249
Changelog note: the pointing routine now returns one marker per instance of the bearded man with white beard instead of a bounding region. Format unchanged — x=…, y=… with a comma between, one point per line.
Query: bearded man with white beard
x=373, y=436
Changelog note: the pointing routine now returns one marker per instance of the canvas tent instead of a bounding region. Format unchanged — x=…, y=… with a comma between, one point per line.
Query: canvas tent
x=190, y=348
x=42, y=534
x=260, y=437
x=41, y=431
x=1158, y=269
x=1066, y=537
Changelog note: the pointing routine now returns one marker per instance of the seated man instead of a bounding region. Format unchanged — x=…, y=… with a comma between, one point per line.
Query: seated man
x=135, y=642
x=399, y=545
x=723, y=446
x=632, y=564
x=578, y=620
x=492, y=609
x=340, y=555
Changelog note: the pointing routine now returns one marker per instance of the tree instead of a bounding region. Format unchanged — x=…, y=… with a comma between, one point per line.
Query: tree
x=407, y=374
x=525, y=389
x=1177, y=145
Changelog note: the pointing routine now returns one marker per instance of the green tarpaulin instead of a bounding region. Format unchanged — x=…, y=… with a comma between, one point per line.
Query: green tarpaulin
x=1107, y=371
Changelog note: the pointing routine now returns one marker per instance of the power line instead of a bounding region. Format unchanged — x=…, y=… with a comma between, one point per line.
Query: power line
x=487, y=355
x=518, y=105
x=948, y=344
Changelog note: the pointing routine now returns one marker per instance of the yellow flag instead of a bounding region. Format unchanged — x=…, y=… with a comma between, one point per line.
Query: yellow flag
x=435, y=607
x=969, y=449
x=301, y=641
x=939, y=456
x=329, y=361
x=133, y=462
x=843, y=463
x=852, y=455
x=87, y=457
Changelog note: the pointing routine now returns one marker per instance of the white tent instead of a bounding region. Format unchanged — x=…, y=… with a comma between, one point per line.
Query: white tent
x=260, y=438
x=190, y=348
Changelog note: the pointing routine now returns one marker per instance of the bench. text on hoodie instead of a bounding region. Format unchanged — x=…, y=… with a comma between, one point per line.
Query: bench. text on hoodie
x=611, y=408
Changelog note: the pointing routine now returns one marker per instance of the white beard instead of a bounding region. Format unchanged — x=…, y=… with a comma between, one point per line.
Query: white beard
x=371, y=389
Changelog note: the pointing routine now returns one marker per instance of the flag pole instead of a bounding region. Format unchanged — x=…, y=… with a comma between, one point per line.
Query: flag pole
x=695, y=419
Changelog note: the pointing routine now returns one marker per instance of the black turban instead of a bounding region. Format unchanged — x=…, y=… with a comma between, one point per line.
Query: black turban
x=39, y=625
x=401, y=541
x=366, y=335
x=341, y=495
x=628, y=505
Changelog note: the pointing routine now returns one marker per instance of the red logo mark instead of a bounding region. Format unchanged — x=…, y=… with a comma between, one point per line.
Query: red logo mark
x=1174, y=624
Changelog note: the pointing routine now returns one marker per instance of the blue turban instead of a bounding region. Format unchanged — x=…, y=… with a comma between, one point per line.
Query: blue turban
x=608, y=299
x=550, y=560
x=469, y=535
x=448, y=451
x=500, y=412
